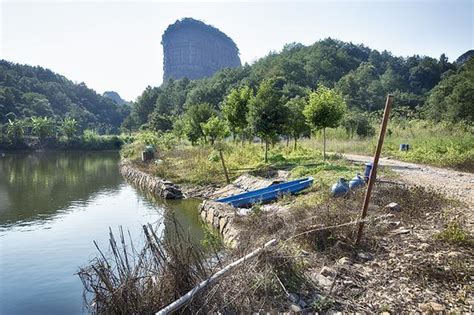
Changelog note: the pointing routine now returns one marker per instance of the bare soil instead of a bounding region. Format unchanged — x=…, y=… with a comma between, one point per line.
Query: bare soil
x=454, y=184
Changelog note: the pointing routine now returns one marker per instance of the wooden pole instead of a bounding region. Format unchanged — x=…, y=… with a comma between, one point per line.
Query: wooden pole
x=185, y=298
x=373, y=172
x=324, y=144
x=225, y=168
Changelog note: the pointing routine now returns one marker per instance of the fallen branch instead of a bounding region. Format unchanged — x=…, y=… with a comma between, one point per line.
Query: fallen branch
x=185, y=298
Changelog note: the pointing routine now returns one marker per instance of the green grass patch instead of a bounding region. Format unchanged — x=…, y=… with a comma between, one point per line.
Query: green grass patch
x=453, y=233
x=443, y=144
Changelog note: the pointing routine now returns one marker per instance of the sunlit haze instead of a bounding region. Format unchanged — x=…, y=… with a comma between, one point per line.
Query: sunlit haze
x=116, y=46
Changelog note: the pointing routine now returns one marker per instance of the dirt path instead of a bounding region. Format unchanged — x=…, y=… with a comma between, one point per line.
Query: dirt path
x=456, y=184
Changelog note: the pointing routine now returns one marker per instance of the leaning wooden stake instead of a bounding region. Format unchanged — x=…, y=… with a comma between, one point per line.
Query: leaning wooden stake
x=225, y=168
x=188, y=296
x=386, y=114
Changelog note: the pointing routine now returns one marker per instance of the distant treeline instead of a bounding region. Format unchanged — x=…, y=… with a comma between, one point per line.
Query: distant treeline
x=27, y=91
x=431, y=88
x=46, y=133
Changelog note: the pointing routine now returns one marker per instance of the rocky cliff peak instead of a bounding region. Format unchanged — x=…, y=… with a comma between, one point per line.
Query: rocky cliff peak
x=195, y=50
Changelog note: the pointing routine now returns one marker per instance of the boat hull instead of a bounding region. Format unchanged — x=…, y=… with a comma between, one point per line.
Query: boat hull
x=267, y=194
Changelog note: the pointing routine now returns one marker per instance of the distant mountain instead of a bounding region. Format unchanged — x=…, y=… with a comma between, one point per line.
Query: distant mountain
x=27, y=91
x=465, y=57
x=114, y=96
x=194, y=50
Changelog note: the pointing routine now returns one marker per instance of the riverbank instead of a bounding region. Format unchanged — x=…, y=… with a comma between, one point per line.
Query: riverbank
x=88, y=142
x=415, y=256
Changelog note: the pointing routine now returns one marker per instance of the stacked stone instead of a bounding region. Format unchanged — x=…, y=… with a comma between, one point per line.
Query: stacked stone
x=220, y=216
x=157, y=186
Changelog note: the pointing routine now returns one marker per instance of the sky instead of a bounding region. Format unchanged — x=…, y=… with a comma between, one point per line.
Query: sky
x=116, y=46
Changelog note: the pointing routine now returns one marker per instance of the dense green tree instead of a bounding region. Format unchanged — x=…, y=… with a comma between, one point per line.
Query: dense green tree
x=362, y=88
x=296, y=124
x=69, y=127
x=42, y=127
x=195, y=116
x=215, y=128
x=325, y=109
x=356, y=122
x=30, y=91
x=145, y=104
x=267, y=113
x=15, y=130
x=160, y=122
x=425, y=75
x=235, y=108
x=452, y=99
x=179, y=127
x=172, y=97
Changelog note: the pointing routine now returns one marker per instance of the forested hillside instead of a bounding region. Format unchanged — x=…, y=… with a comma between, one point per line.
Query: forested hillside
x=27, y=91
x=362, y=75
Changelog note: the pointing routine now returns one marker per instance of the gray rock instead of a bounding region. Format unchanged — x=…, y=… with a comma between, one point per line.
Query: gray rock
x=328, y=272
x=344, y=261
x=431, y=307
x=393, y=207
x=295, y=308
x=364, y=256
x=323, y=281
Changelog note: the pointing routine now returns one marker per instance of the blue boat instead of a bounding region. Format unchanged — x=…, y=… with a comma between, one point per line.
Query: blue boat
x=268, y=193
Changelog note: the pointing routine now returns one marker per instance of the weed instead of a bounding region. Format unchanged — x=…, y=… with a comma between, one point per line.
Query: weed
x=322, y=304
x=453, y=233
x=211, y=240
x=256, y=210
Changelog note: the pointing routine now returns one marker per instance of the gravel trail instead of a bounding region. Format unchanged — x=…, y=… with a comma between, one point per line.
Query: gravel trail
x=456, y=184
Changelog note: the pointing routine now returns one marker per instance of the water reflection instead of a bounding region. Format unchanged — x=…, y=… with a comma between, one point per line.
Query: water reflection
x=66, y=200
x=33, y=187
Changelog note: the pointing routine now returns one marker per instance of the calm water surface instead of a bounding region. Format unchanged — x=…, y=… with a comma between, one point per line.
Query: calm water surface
x=52, y=206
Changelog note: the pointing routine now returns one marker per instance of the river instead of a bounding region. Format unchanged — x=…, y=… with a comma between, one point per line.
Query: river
x=53, y=205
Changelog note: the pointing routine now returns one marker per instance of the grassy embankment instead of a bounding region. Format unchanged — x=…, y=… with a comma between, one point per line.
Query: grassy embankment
x=441, y=145
x=437, y=144
x=200, y=165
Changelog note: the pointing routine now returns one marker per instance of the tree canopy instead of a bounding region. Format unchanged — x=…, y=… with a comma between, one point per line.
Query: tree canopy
x=27, y=91
x=363, y=77
x=453, y=98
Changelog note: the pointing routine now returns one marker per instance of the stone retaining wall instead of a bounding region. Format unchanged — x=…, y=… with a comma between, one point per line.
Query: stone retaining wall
x=157, y=186
x=221, y=216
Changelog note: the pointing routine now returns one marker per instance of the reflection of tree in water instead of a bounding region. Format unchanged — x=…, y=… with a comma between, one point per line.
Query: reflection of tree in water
x=43, y=183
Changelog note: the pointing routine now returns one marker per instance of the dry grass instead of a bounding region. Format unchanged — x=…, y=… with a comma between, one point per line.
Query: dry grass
x=315, y=231
x=128, y=281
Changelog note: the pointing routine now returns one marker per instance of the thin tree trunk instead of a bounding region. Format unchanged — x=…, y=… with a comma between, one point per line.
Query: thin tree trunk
x=287, y=141
x=224, y=167
x=296, y=139
x=324, y=144
x=266, y=151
